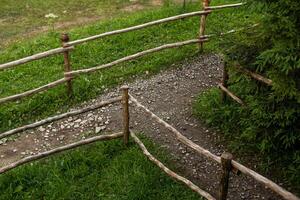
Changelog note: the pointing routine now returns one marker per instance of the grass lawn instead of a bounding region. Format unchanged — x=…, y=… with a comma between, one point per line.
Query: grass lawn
x=105, y=170
x=20, y=19
x=101, y=51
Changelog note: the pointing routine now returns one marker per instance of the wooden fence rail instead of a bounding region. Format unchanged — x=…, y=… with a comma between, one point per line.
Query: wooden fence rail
x=72, y=74
x=33, y=91
x=67, y=46
x=170, y=172
x=35, y=57
x=134, y=56
x=58, y=117
x=59, y=149
x=237, y=166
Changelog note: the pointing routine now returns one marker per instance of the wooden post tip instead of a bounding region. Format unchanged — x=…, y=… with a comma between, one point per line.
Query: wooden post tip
x=227, y=156
x=124, y=87
x=65, y=37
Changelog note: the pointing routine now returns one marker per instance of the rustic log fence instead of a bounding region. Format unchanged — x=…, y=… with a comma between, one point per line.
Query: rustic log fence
x=225, y=160
x=67, y=46
x=228, y=165
x=223, y=86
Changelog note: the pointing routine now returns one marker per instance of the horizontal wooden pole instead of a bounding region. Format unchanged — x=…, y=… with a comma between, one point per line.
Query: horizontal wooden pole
x=141, y=26
x=61, y=116
x=134, y=56
x=170, y=172
x=231, y=94
x=33, y=91
x=224, y=6
x=58, y=150
x=270, y=184
x=255, y=75
x=35, y=57
x=231, y=31
x=236, y=166
x=178, y=135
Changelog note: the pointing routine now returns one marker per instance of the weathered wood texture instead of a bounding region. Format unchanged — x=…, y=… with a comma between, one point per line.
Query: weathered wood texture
x=67, y=64
x=59, y=149
x=224, y=6
x=33, y=91
x=205, y=4
x=254, y=75
x=58, y=117
x=141, y=26
x=35, y=57
x=137, y=55
x=231, y=94
x=178, y=135
x=125, y=103
x=270, y=184
x=224, y=182
x=170, y=172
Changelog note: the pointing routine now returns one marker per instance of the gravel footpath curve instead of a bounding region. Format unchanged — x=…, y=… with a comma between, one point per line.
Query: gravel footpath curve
x=170, y=95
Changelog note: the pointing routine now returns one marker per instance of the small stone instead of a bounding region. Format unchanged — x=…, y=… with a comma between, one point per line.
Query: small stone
x=42, y=129
x=78, y=121
x=100, y=128
x=61, y=137
x=15, y=150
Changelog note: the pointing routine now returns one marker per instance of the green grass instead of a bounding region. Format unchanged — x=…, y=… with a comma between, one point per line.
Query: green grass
x=105, y=170
x=20, y=19
x=101, y=51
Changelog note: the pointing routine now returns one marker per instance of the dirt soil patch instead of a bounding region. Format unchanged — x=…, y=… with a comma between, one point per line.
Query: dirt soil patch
x=170, y=95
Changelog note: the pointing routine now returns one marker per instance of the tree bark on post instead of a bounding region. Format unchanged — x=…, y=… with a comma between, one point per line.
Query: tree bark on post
x=224, y=182
x=125, y=103
x=205, y=4
x=67, y=64
x=224, y=80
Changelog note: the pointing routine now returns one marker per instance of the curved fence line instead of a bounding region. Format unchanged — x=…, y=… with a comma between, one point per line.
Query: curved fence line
x=270, y=184
x=187, y=182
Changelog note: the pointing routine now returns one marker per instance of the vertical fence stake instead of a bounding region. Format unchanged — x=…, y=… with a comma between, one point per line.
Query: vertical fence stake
x=224, y=182
x=125, y=103
x=224, y=80
x=67, y=64
x=205, y=4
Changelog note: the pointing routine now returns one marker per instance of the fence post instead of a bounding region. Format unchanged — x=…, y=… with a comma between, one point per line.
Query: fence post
x=224, y=182
x=205, y=4
x=67, y=64
x=224, y=80
x=125, y=103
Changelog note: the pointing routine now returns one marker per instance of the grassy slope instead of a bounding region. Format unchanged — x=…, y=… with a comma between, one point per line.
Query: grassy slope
x=105, y=170
x=34, y=74
x=28, y=17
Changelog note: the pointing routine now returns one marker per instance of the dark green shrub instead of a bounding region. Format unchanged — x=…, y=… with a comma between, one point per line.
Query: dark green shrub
x=270, y=123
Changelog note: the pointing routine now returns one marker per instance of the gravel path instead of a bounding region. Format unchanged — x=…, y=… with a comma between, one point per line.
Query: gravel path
x=170, y=95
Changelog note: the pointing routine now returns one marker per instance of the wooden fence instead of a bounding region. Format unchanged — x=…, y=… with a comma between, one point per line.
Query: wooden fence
x=223, y=85
x=225, y=160
x=67, y=46
x=228, y=165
